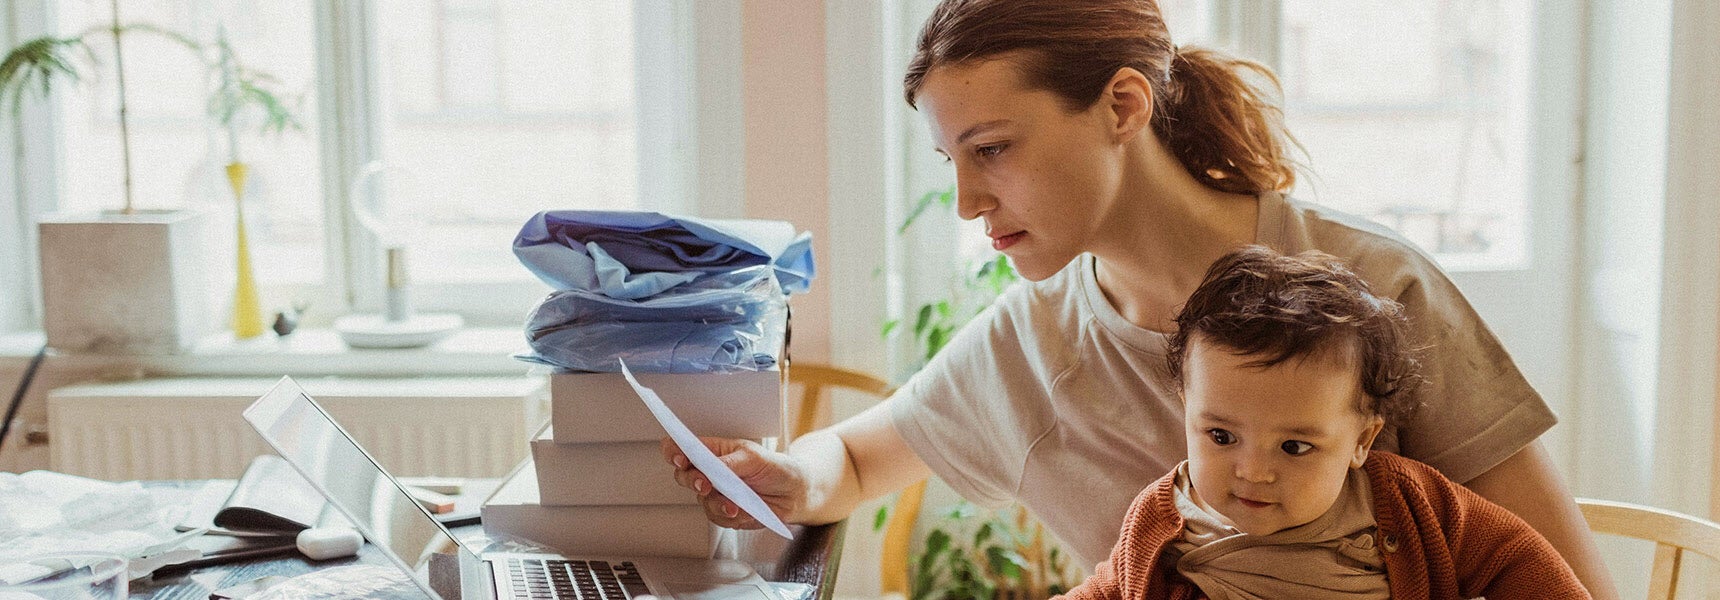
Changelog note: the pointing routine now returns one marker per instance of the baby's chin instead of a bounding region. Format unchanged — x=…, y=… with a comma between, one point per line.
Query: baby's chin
x=1262, y=526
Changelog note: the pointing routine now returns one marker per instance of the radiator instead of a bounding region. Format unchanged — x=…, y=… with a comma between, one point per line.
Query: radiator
x=191, y=428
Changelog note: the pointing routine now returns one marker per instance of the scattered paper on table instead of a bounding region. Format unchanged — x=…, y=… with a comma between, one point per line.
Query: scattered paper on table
x=721, y=477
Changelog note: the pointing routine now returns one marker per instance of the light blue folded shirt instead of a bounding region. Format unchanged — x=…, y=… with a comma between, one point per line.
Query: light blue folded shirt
x=634, y=254
x=723, y=322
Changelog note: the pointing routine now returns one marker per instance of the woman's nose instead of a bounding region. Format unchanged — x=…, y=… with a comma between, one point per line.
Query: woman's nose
x=972, y=200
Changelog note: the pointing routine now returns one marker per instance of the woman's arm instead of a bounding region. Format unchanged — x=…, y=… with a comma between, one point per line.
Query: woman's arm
x=1528, y=485
x=872, y=457
x=821, y=479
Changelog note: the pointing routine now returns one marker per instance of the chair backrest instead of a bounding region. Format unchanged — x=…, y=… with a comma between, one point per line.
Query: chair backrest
x=815, y=380
x=1673, y=533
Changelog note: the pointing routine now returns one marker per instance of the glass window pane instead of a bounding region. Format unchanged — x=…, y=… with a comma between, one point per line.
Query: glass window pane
x=178, y=149
x=496, y=110
x=1415, y=115
x=1189, y=21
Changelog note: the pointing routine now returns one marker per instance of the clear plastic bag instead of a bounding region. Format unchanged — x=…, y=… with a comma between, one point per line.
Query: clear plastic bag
x=722, y=322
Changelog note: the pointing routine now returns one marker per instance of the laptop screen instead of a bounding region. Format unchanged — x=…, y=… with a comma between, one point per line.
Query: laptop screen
x=304, y=434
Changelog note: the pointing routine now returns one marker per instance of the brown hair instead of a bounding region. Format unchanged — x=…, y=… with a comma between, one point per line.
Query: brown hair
x=1226, y=132
x=1257, y=302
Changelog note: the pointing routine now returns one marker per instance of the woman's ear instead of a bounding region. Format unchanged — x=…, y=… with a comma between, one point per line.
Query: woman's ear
x=1129, y=100
x=1375, y=424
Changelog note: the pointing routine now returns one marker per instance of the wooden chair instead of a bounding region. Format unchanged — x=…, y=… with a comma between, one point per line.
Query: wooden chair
x=815, y=380
x=1673, y=534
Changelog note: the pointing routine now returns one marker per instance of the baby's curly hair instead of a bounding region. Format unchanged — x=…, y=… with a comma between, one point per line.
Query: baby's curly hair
x=1257, y=302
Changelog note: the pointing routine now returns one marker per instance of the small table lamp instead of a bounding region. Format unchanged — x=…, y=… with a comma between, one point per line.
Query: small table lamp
x=399, y=326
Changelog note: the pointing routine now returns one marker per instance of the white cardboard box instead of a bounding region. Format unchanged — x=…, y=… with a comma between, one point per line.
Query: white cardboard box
x=602, y=407
x=605, y=473
x=671, y=530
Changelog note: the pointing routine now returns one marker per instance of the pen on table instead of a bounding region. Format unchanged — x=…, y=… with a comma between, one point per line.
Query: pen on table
x=235, y=556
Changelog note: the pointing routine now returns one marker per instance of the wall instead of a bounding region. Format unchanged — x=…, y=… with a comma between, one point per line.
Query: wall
x=786, y=165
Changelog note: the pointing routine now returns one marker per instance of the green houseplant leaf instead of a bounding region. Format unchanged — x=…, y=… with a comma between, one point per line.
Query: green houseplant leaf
x=36, y=63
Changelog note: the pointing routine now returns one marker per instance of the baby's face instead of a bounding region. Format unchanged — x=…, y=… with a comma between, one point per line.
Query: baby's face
x=1269, y=448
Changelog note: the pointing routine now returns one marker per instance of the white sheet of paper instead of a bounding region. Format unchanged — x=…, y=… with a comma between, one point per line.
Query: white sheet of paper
x=721, y=477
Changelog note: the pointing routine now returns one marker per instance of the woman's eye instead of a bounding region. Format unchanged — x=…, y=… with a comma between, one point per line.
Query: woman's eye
x=1221, y=437
x=989, y=151
x=1295, y=448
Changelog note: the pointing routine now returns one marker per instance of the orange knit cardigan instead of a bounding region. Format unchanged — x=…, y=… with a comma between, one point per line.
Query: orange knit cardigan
x=1441, y=541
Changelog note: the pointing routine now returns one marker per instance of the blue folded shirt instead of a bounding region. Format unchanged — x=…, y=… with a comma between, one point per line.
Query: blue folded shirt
x=633, y=254
x=721, y=322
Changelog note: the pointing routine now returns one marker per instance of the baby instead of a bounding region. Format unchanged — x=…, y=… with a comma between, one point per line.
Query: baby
x=1289, y=368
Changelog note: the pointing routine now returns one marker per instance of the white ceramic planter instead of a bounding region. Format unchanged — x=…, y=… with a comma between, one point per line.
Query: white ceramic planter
x=124, y=284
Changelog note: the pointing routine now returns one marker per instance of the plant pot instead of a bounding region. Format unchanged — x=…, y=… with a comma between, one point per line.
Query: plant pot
x=123, y=284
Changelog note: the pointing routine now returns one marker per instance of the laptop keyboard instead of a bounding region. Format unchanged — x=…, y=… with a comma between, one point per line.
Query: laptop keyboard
x=551, y=579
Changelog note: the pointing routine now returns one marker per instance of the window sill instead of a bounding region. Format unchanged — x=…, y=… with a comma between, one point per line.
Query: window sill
x=310, y=352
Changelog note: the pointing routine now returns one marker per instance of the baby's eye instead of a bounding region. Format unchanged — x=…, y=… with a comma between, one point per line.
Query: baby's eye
x=1221, y=437
x=1295, y=448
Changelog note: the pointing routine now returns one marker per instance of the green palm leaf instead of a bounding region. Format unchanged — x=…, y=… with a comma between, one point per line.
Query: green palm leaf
x=38, y=62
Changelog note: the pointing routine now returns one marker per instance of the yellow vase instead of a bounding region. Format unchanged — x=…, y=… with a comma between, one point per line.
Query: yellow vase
x=247, y=309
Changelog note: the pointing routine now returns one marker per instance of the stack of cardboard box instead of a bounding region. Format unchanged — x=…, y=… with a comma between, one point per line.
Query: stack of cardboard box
x=597, y=483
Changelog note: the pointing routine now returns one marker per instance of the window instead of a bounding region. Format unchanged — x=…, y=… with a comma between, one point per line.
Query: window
x=496, y=110
x=178, y=150
x=480, y=113
x=1415, y=115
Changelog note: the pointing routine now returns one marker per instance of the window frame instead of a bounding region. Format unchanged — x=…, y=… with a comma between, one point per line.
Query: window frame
x=32, y=170
x=1254, y=29
x=685, y=97
x=668, y=115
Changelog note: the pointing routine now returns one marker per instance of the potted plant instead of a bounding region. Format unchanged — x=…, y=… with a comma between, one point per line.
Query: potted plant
x=131, y=280
x=974, y=554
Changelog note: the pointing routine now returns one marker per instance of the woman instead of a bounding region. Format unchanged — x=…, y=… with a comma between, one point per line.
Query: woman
x=1113, y=169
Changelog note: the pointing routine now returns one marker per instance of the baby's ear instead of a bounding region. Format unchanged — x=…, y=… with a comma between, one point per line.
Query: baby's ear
x=1366, y=441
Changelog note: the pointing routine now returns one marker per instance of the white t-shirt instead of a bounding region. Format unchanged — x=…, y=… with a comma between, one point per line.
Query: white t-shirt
x=1052, y=399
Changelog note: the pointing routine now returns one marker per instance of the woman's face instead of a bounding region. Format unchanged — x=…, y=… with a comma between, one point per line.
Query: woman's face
x=1041, y=177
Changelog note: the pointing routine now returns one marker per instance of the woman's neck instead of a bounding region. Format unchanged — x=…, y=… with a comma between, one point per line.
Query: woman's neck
x=1165, y=230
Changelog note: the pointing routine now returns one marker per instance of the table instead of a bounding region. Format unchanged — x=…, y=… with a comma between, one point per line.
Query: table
x=811, y=558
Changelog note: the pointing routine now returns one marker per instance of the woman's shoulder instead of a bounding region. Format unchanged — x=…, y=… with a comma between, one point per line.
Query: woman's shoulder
x=1382, y=257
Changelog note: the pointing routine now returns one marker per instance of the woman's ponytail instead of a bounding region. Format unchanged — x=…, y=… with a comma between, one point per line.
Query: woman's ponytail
x=1228, y=133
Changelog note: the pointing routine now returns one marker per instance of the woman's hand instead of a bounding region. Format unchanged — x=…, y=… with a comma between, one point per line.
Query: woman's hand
x=776, y=477
x=823, y=477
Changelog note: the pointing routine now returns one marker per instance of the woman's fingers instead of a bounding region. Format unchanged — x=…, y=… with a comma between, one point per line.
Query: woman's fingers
x=723, y=512
x=692, y=479
x=685, y=475
x=672, y=453
x=762, y=470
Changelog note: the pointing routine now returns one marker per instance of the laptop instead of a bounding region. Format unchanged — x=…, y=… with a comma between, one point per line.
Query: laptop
x=321, y=450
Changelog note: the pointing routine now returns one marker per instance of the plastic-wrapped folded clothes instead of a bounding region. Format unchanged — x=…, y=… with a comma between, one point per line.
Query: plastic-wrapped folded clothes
x=631, y=254
x=718, y=323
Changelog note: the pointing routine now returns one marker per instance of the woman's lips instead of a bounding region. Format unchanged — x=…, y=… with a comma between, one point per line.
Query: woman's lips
x=1002, y=242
